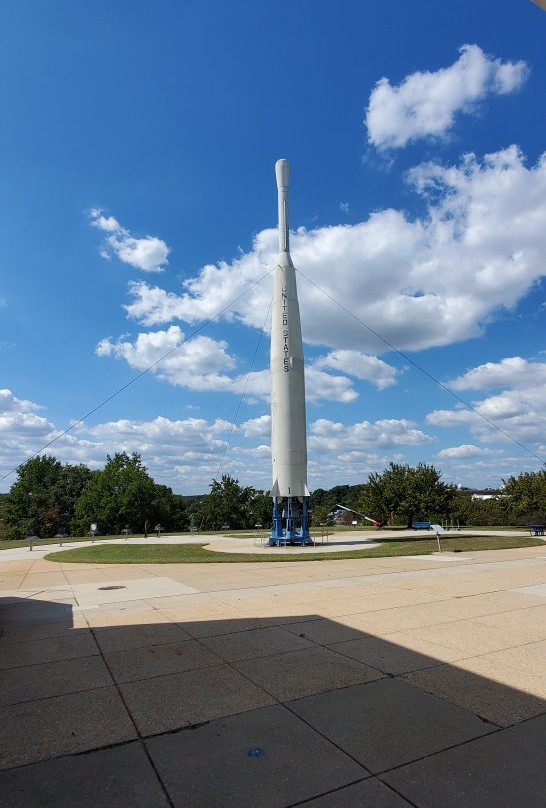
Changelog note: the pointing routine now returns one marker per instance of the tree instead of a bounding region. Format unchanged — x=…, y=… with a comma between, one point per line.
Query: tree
x=479, y=512
x=347, y=495
x=406, y=492
x=179, y=517
x=321, y=516
x=227, y=504
x=527, y=497
x=43, y=498
x=121, y=494
x=261, y=510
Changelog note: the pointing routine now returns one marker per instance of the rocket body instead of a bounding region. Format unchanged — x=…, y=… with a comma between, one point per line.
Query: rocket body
x=288, y=420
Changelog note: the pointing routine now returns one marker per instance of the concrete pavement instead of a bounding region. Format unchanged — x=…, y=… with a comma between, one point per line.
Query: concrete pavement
x=384, y=682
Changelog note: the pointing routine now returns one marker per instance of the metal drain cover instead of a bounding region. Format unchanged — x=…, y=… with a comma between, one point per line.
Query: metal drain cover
x=112, y=587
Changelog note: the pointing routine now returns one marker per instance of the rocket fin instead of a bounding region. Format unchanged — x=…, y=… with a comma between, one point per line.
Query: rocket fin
x=275, y=489
x=306, y=491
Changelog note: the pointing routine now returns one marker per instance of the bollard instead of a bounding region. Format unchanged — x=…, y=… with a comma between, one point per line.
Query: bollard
x=30, y=543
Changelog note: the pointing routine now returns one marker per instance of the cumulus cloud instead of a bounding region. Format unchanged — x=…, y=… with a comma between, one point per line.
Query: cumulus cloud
x=465, y=450
x=9, y=403
x=257, y=427
x=426, y=103
x=519, y=409
x=202, y=364
x=197, y=363
x=21, y=424
x=514, y=372
x=148, y=253
x=420, y=283
x=360, y=365
x=385, y=433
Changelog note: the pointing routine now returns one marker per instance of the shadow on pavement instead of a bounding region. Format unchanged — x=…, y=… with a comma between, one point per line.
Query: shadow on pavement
x=158, y=710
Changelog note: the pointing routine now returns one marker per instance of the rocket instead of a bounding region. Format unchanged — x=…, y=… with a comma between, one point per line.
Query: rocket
x=288, y=420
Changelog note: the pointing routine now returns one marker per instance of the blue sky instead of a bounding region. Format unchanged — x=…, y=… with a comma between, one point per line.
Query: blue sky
x=138, y=200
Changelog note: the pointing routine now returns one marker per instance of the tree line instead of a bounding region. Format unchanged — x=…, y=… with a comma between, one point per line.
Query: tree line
x=49, y=498
x=404, y=494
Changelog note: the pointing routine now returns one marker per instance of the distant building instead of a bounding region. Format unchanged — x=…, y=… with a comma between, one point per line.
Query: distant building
x=481, y=493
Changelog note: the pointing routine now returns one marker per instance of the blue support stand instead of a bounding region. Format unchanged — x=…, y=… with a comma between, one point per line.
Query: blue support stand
x=288, y=533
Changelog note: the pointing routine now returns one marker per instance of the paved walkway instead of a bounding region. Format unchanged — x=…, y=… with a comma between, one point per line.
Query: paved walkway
x=387, y=682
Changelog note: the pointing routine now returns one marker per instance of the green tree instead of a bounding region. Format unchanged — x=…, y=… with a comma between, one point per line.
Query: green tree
x=526, y=497
x=261, y=510
x=227, y=504
x=121, y=494
x=479, y=512
x=347, y=495
x=179, y=517
x=408, y=493
x=43, y=498
x=320, y=516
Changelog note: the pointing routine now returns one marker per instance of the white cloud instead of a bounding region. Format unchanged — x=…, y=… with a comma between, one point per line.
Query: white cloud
x=24, y=424
x=202, y=363
x=9, y=403
x=360, y=365
x=425, y=103
x=423, y=283
x=148, y=253
x=213, y=290
x=257, y=427
x=519, y=409
x=514, y=372
x=196, y=364
x=465, y=450
x=385, y=433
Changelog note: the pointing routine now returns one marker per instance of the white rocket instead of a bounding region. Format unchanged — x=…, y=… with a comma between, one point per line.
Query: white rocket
x=288, y=421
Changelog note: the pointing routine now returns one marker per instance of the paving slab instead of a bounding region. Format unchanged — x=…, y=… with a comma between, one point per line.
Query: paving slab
x=30, y=612
x=466, y=637
x=52, y=679
x=191, y=697
x=128, y=589
x=498, y=693
x=255, y=643
x=388, y=722
x=110, y=778
x=76, y=722
x=303, y=673
x=323, y=631
x=79, y=643
x=159, y=660
x=118, y=606
x=233, y=625
x=538, y=590
x=99, y=618
x=391, y=657
x=137, y=636
x=370, y=793
x=501, y=770
x=41, y=631
x=267, y=758
x=530, y=657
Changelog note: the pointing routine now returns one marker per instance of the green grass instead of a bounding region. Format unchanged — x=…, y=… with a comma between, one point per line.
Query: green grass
x=196, y=554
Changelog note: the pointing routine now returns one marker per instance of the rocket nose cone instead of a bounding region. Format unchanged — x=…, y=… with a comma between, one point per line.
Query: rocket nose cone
x=282, y=173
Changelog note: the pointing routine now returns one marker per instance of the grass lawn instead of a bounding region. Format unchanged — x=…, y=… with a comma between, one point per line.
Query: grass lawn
x=196, y=554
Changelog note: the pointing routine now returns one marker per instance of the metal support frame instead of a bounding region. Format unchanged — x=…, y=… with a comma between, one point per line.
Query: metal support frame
x=287, y=532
